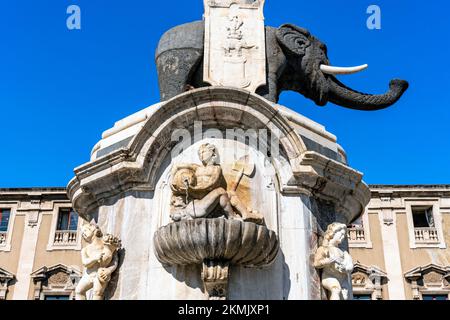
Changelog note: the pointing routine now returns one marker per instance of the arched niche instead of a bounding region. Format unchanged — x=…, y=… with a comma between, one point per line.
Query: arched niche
x=138, y=164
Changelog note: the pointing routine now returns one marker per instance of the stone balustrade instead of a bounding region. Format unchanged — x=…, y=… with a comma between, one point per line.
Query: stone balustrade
x=356, y=235
x=426, y=235
x=65, y=238
x=2, y=238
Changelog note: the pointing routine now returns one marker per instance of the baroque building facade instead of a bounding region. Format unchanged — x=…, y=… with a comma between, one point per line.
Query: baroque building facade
x=399, y=246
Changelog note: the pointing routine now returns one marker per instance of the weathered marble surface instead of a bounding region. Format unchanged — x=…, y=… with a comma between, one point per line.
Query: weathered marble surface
x=336, y=264
x=299, y=191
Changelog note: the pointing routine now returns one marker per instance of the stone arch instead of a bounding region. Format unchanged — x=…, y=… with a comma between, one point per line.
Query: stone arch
x=137, y=164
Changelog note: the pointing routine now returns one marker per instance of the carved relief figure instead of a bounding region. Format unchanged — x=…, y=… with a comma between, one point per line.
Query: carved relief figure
x=199, y=189
x=235, y=42
x=336, y=264
x=100, y=259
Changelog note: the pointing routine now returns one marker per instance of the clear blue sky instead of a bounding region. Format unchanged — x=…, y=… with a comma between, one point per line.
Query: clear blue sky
x=60, y=89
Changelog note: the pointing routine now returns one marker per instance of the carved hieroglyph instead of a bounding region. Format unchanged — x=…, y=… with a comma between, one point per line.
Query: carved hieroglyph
x=235, y=45
x=100, y=259
x=336, y=264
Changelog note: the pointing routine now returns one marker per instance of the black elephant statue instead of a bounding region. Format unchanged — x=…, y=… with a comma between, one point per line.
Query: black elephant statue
x=296, y=61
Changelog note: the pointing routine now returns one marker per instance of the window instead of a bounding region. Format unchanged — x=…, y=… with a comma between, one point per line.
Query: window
x=4, y=219
x=67, y=220
x=51, y=297
x=423, y=217
x=435, y=297
x=64, y=234
x=429, y=282
x=362, y=297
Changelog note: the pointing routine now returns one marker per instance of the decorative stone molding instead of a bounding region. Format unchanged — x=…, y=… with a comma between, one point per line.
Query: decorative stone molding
x=429, y=279
x=235, y=44
x=217, y=244
x=136, y=165
x=368, y=280
x=6, y=237
x=432, y=237
x=198, y=188
x=335, y=182
x=3, y=236
x=33, y=218
x=5, y=278
x=56, y=280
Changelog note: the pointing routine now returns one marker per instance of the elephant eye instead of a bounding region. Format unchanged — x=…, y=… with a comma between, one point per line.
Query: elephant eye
x=301, y=42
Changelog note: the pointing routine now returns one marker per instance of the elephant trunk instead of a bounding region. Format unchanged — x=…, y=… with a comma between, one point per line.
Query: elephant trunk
x=343, y=96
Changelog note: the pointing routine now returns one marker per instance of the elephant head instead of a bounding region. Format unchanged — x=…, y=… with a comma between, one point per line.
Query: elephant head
x=309, y=73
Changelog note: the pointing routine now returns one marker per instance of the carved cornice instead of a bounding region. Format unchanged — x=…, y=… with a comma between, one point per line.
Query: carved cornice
x=5, y=278
x=48, y=278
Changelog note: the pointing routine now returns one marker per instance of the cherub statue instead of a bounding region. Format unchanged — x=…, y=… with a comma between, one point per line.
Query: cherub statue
x=100, y=259
x=199, y=189
x=337, y=265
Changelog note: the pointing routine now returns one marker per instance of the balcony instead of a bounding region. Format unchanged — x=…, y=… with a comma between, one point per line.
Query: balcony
x=356, y=235
x=426, y=235
x=3, y=238
x=65, y=238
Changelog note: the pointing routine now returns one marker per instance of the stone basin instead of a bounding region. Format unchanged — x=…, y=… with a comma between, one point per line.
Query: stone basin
x=190, y=242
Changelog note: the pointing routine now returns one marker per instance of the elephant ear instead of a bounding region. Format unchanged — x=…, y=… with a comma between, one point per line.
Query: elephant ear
x=294, y=39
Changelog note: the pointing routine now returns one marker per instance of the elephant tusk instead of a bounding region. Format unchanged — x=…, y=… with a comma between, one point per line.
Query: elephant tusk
x=341, y=70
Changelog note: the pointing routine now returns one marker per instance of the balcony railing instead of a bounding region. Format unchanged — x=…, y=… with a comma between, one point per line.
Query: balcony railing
x=2, y=238
x=426, y=235
x=65, y=238
x=356, y=235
